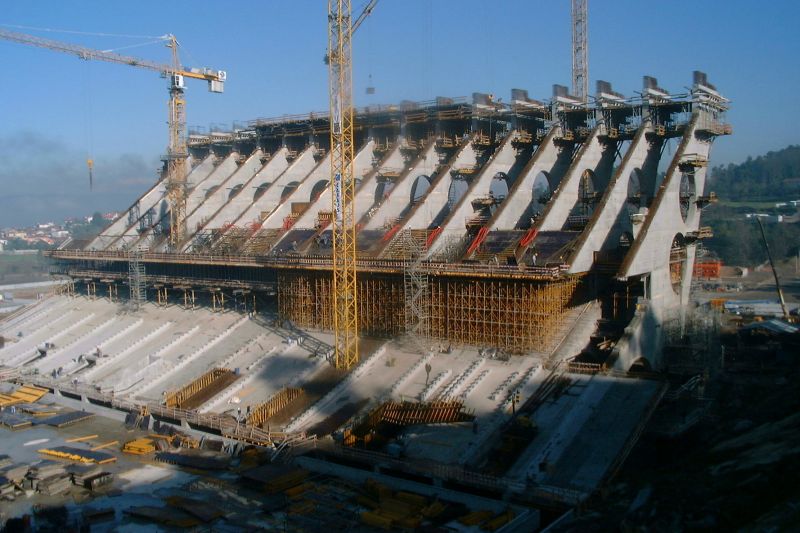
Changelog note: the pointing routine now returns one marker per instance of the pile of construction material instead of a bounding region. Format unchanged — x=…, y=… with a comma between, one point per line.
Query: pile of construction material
x=391, y=510
x=47, y=477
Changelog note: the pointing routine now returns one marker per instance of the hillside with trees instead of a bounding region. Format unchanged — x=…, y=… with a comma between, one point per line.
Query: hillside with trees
x=755, y=185
x=773, y=176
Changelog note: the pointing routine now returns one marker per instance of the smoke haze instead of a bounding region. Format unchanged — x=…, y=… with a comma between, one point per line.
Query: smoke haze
x=44, y=179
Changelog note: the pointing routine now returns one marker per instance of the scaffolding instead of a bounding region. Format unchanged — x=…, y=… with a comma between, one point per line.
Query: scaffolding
x=416, y=291
x=514, y=316
x=517, y=316
x=136, y=277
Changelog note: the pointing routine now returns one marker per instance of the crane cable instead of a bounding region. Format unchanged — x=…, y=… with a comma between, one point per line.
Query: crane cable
x=74, y=32
x=87, y=122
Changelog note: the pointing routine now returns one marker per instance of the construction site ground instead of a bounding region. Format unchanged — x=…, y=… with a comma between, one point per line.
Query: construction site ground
x=736, y=470
x=146, y=353
x=147, y=493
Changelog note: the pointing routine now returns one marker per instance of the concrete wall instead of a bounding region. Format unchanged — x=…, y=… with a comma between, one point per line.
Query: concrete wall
x=213, y=202
x=196, y=192
x=437, y=197
x=365, y=195
x=242, y=206
x=362, y=164
x=649, y=255
x=307, y=175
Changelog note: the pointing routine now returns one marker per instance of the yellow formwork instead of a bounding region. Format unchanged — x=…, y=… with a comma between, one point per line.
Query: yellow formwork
x=24, y=394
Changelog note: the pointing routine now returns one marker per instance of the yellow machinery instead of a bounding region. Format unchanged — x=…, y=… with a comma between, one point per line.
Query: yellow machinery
x=177, y=152
x=343, y=184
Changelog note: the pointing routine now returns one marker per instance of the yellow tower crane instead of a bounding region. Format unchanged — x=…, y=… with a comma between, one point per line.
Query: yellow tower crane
x=177, y=152
x=343, y=183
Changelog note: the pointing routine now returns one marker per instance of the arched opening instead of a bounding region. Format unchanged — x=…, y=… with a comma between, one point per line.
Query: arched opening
x=420, y=187
x=499, y=186
x=235, y=190
x=541, y=191
x=260, y=190
x=288, y=190
x=625, y=240
x=317, y=190
x=587, y=197
x=382, y=190
x=688, y=195
x=635, y=197
x=458, y=189
x=162, y=226
x=640, y=364
x=677, y=262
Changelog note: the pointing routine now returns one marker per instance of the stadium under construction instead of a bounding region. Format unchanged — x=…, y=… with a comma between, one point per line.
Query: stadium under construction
x=519, y=264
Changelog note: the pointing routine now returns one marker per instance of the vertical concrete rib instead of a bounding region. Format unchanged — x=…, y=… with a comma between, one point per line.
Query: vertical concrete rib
x=455, y=224
x=513, y=210
x=400, y=195
x=279, y=173
x=154, y=199
x=362, y=164
x=565, y=197
x=435, y=198
x=214, y=199
x=197, y=189
x=611, y=218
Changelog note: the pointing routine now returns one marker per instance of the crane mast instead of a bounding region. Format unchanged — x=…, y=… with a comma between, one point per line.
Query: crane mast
x=177, y=152
x=580, y=49
x=342, y=183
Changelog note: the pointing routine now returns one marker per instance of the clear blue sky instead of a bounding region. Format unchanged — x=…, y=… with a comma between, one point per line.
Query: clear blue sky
x=55, y=108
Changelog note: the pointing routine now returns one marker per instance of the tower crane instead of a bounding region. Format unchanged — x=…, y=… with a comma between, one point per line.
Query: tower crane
x=342, y=183
x=580, y=49
x=177, y=151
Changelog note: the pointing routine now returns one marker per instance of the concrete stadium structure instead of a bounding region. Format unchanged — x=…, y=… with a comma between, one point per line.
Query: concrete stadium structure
x=507, y=253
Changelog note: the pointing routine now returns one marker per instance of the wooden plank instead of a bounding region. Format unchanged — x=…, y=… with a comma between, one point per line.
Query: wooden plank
x=81, y=439
x=106, y=445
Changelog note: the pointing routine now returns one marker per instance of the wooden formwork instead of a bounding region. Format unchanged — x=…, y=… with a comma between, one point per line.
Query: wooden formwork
x=279, y=401
x=180, y=397
x=438, y=412
x=405, y=414
x=512, y=315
